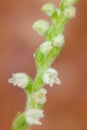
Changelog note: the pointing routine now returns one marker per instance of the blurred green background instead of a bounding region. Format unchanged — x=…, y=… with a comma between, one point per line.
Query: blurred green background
x=66, y=108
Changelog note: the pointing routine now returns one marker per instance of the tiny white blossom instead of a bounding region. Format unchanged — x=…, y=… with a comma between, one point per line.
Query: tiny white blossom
x=48, y=9
x=40, y=96
x=51, y=77
x=41, y=26
x=19, y=79
x=70, y=2
x=33, y=116
x=70, y=12
x=59, y=40
x=46, y=47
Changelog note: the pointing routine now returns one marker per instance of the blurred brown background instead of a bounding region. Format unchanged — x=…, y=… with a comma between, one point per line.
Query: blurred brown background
x=66, y=108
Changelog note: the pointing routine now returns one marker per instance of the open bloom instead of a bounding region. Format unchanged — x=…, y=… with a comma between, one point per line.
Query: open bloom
x=59, y=40
x=48, y=9
x=40, y=96
x=41, y=26
x=46, y=47
x=33, y=116
x=19, y=79
x=51, y=77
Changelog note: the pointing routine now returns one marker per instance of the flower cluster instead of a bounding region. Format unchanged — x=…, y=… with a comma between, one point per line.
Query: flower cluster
x=22, y=80
x=44, y=56
x=46, y=47
x=34, y=115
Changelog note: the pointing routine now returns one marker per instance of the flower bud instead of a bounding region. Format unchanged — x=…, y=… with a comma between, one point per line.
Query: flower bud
x=48, y=9
x=70, y=12
x=41, y=26
x=59, y=41
x=40, y=96
x=70, y=2
x=46, y=47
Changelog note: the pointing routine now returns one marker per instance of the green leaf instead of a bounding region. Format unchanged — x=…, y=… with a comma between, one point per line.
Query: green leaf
x=38, y=81
x=20, y=123
x=55, y=51
x=29, y=87
x=39, y=58
x=55, y=17
x=50, y=34
x=62, y=5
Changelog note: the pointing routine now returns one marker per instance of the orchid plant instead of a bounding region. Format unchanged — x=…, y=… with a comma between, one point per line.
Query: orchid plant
x=44, y=57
